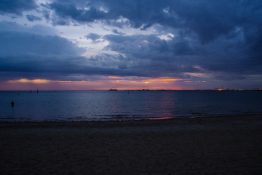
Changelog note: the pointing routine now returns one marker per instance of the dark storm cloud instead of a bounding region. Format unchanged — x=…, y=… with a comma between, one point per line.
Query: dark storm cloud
x=18, y=44
x=209, y=19
x=16, y=6
x=153, y=56
x=25, y=53
x=221, y=35
x=33, y=18
x=53, y=67
x=16, y=28
x=77, y=11
x=93, y=36
x=220, y=38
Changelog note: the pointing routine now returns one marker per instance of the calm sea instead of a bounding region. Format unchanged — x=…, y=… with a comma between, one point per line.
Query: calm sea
x=108, y=105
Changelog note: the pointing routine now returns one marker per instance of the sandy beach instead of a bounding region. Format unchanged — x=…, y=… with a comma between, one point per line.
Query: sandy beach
x=219, y=145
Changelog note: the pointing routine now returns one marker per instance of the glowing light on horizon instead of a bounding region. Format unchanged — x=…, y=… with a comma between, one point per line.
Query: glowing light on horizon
x=102, y=83
x=33, y=81
x=160, y=80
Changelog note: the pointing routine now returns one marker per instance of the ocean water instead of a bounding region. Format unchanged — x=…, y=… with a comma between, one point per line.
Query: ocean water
x=121, y=105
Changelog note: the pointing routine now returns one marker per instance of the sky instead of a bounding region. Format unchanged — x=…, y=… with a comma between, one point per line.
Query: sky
x=130, y=44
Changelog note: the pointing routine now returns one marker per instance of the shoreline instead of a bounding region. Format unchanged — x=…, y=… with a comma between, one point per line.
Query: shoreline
x=135, y=121
x=220, y=145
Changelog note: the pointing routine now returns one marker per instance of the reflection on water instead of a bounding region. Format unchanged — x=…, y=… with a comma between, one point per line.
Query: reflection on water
x=98, y=105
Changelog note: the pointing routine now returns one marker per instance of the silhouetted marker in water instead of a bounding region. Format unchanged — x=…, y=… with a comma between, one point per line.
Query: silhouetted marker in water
x=12, y=104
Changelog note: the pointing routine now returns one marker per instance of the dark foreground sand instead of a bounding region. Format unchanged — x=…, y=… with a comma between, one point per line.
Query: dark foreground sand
x=227, y=145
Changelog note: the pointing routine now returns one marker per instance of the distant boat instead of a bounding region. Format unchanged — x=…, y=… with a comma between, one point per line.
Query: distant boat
x=112, y=90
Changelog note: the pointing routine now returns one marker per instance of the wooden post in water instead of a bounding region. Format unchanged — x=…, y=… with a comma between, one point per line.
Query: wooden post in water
x=12, y=104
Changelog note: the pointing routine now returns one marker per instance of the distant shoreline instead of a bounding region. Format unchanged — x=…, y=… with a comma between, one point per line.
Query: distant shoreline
x=133, y=122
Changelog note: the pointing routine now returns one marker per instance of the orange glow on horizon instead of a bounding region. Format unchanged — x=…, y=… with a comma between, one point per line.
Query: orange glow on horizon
x=160, y=80
x=115, y=77
x=33, y=81
x=101, y=83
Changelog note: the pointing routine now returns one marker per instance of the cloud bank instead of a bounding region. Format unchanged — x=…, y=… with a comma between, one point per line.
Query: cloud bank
x=204, y=44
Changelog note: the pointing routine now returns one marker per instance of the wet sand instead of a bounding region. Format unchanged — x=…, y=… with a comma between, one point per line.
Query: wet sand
x=220, y=145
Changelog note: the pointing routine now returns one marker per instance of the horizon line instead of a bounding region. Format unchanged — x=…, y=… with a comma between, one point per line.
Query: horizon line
x=115, y=89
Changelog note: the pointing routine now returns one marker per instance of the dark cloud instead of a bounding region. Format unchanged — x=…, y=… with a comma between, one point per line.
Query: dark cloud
x=24, y=53
x=33, y=18
x=16, y=6
x=31, y=44
x=93, y=36
x=54, y=67
x=36, y=29
x=219, y=38
x=208, y=19
x=153, y=56
x=81, y=12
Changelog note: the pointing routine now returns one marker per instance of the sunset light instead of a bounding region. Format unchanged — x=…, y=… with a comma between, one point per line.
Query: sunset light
x=130, y=87
x=102, y=83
